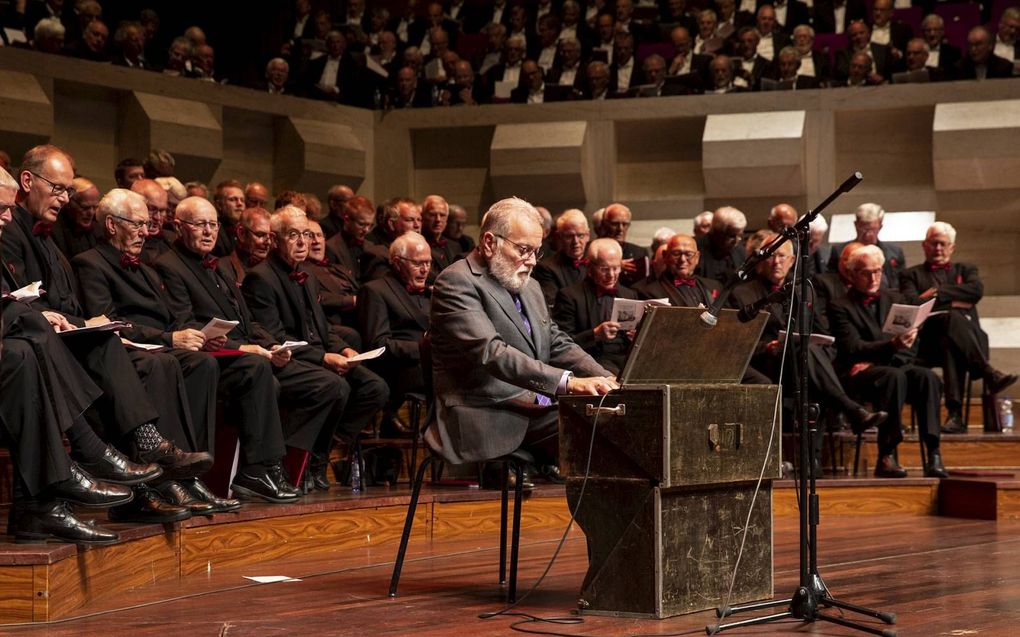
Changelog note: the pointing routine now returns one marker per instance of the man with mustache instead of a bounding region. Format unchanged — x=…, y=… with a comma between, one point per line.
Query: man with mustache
x=499, y=360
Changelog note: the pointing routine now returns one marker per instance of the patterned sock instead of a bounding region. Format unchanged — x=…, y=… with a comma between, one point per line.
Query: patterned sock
x=147, y=437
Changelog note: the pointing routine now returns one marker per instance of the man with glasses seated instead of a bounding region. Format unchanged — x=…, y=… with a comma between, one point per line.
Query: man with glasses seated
x=393, y=312
x=566, y=265
x=74, y=230
x=157, y=239
x=952, y=340
x=115, y=282
x=583, y=310
x=283, y=298
x=353, y=247
x=252, y=243
x=678, y=283
x=615, y=224
x=499, y=360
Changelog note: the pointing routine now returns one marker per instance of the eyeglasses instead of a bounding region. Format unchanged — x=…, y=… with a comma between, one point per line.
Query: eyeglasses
x=781, y=257
x=524, y=252
x=131, y=223
x=583, y=236
x=294, y=235
x=258, y=235
x=937, y=244
x=683, y=254
x=606, y=269
x=416, y=264
x=8, y=207
x=617, y=224
x=153, y=210
x=56, y=189
x=203, y=225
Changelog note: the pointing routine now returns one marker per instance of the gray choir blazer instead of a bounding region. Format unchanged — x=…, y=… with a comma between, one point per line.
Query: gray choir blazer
x=487, y=369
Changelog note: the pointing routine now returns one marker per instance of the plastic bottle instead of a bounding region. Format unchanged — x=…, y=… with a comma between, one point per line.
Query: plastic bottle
x=355, y=470
x=1006, y=414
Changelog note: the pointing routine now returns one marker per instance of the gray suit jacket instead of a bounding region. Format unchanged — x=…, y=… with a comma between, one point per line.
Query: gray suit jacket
x=487, y=369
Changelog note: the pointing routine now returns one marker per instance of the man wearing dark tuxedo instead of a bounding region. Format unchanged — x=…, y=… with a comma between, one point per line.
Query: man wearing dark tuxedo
x=157, y=239
x=722, y=249
x=771, y=37
x=74, y=231
x=435, y=212
x=283, y=298
x=860, y=42
x=352, y=248
x=787, y=64
x=868, y=223
x=566, y=265
x=615, y=225
x=750, y=66
x=813, y=63
x=835, y=16
x=393, y=312
x=980, y=63
x=116, y=283
x=678, y=283
x=881, y=369
x=887, y=30
x=954, y=339
x=201, y=288
x=335, y=76
x=941, y=54
x=916, y=57
x=339, y=286
x=583, y=310
x=789, y=13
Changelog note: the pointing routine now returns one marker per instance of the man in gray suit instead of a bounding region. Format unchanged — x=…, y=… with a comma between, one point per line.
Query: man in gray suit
x=498, y=359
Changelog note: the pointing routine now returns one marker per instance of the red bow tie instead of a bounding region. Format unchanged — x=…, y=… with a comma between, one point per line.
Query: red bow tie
x=600, y=292
x=580, y=262
x=688, y=282
x=414, y=291
x=129, y=261
x=440, y=242
x=298, y=277
x=867, y=299
x=42, y=229
x=324, y=262
x=775, y=287
x=935, y=267
x=355, y=243
x=210, y=262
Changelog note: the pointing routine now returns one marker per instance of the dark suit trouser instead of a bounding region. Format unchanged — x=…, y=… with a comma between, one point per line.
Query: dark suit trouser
x=125, y=404
x=888, y=388
x=32, y=418
x=543, y=438
x=401, y=377
x=249, y=389
x=312, y=399
x=823, y=382
x=957, y=345
x=164, y=385
x=368, y=394
x=201, y=377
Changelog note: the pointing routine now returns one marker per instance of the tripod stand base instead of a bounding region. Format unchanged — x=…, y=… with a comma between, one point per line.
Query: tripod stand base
x=805, y=605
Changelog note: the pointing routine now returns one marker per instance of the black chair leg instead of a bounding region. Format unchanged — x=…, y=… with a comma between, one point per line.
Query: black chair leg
x=412, y=507
x=415, y=414
x=857, y=453
x=515, y=542
x=502, y=522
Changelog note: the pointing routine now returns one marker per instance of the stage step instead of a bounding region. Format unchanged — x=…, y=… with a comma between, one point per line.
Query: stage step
x=973, y=451
x=987, y=497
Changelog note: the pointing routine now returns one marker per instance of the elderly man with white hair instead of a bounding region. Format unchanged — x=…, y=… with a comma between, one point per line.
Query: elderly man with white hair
x=499, y=360
x=615, y=225
x=566, y=265
x=819, y=250
x=954, y=339
x=868, y=224
x=883, y=370
x=722, y=251
x=283, y=298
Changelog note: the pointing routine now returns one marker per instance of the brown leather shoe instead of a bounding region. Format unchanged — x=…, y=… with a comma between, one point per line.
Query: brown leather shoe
x=887, y=467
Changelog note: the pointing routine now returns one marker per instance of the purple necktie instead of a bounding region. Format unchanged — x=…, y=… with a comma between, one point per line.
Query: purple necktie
x=540, y=399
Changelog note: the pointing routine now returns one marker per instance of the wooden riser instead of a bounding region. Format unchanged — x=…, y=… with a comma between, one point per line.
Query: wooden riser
x=971, y=451
x=991, y=498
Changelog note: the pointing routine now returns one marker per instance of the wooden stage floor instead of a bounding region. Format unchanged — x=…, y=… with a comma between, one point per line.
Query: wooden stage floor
x=941, y=576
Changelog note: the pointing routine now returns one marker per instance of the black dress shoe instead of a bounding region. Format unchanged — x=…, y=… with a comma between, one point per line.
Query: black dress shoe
x=552, y=473
x=148, y=507
x=176, y=463
x=935, y=468
x=260, y=483
x=81, y=489
x=861, y=420
x=41, y=521
x=116, y=467
x=316, y=472
x=200, y=491
x=175, y=493
x=996, y=381
x=280, y=478
x=887, y=467
x=954, y=425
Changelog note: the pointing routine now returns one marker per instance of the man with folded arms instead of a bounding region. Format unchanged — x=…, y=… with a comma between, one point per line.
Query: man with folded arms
x=393, y=312
x=143, y=393
x=882, y=369
x=114, y=282
x=200, y=287
x=283, y=298
x=953, y=340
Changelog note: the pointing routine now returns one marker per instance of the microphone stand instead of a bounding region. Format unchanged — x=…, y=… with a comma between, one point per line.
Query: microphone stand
x=812, y=595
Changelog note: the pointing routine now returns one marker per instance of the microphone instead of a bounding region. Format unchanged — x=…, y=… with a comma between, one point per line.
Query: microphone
x=851, y=182
x=751, y=310
x=711, y=316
